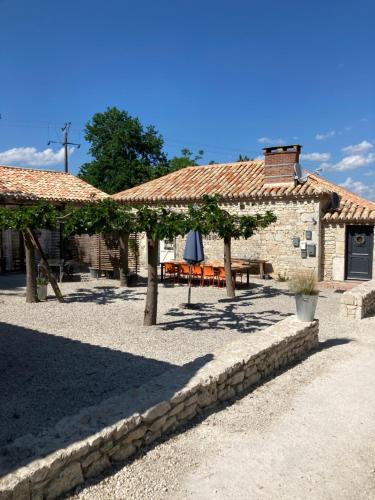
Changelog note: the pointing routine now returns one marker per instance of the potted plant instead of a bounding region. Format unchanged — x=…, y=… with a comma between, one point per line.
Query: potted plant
x=42, y=284
x=303, y=285
x=94, y=273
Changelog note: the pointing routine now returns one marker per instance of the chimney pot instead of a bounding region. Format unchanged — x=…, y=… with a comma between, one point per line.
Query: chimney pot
x=279, y=165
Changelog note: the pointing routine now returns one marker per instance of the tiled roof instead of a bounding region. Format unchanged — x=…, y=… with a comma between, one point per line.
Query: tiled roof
x=242, y=180
x=25, y=184
x=352, y=207
x=229, y=180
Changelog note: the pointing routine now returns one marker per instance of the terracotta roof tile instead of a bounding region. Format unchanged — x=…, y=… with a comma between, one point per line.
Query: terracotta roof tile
x=26, y=184
x=239, y=181
x=352, y=206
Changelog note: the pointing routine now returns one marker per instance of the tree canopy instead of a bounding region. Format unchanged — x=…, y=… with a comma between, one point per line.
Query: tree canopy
x=209, y=217
x=187, y=159
x=244, y=158
x=105, y=217
x=40, y=216
x=124, y=151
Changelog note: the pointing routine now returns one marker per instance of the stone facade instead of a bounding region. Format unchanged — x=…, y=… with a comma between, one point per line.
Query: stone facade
x=359, y=302
x=162, y=405
x=333, y=252
x=273, y=244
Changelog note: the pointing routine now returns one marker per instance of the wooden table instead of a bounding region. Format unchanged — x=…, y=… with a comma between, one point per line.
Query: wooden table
x=261, y=263
x=237, y=268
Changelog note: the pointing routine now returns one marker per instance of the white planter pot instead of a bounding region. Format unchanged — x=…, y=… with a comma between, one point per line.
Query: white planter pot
x=94, y=273
x=42, y=292
x=306, y=306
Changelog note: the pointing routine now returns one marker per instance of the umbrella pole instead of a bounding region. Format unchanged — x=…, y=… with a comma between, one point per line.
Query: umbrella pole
x=189, y=292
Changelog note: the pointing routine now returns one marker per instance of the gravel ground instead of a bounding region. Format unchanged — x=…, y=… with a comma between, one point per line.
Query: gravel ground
x=306, y=434
x=56, y=359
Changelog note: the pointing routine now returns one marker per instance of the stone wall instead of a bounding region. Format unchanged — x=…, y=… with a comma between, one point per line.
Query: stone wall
x=274, y=243
x=155, y=409
x=333, y=255
x=359, y=302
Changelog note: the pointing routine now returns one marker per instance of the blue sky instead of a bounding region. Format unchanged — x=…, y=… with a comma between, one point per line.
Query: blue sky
x=225, y=77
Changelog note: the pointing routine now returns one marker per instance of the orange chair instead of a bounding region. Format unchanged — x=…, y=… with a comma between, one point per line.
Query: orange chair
x=221, y=277
x=197, y=272
x=170, y=271
x=183, y=270
x=208, y=274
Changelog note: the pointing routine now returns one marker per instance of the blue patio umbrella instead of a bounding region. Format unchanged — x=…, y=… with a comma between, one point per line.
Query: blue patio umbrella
x=193, y=253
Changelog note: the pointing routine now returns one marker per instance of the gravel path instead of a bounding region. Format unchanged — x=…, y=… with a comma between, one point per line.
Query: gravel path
x=56, y=359
x=308, y=433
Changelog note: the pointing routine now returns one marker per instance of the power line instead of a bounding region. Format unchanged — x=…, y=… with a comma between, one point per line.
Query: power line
x=208, y=148
x=65, y=143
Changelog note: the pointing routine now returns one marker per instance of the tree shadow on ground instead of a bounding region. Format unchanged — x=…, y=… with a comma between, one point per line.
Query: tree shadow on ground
x=208, y=316
x=103, y=295
x=13, y=284
x=227, y=313
x=45, y=378
x=255, y=292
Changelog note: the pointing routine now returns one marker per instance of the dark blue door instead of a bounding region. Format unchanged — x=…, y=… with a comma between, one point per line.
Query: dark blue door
x=359, y=243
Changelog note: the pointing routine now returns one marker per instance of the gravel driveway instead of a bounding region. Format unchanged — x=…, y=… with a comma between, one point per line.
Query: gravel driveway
x=56, y=359
x=307, y=434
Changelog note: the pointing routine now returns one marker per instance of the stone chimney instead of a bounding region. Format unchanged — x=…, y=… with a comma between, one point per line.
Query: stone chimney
x=279, y=169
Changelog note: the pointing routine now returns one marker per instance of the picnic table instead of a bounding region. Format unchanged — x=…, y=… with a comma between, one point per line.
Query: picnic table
x=238, y=266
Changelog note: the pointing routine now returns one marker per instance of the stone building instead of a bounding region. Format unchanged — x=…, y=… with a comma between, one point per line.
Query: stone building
x=24, y=187
x=320, y=226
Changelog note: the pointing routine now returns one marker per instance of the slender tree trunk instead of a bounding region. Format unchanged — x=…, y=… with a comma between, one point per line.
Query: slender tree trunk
x=31, y=289
x=35, y=242
x=124, y=258
x=152, y=285
x=227, y=267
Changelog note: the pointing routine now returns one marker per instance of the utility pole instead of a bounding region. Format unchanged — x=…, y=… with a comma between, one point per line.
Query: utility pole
x=65, y=144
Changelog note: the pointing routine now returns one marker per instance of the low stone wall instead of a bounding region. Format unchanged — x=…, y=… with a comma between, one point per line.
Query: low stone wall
x=359, y=302
x=154, y=410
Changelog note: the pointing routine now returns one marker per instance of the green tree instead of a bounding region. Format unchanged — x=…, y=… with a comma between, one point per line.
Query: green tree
x=244, y=158
x=28, y=220
x=106, y=217
x=209, y=217
x=125, y=153
x=187, y=159
x=157, y=223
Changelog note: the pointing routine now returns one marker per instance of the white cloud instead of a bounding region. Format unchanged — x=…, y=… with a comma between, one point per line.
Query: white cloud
x=31, y=157
x=268, y=140
x=327, y=135
x=362, y=147
x=353, y=162
x=316, y=156
x=359, y=188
